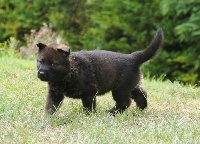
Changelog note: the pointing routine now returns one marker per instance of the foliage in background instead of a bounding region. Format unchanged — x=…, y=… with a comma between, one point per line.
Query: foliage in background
x=181, y=58
x=44, y=35
x=10, y=48
x=116, y=25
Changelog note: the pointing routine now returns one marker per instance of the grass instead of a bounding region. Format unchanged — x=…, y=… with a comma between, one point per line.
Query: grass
x=172, y=116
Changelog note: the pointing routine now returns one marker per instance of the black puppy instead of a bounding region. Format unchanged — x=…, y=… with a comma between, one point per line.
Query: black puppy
x=85, y=74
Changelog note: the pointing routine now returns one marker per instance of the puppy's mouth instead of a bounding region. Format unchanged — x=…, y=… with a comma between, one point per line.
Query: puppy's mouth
x=43, y=75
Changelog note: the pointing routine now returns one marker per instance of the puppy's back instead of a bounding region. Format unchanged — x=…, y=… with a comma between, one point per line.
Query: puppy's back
x=108, y=67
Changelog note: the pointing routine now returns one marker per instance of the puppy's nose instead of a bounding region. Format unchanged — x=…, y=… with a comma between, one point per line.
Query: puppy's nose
x=43, y=75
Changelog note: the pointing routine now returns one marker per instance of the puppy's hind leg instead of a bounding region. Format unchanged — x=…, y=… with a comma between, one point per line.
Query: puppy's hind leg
x=123, y=101
x=139, y=95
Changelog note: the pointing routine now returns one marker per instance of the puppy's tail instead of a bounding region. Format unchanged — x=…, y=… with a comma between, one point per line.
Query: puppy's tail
x=142, y=56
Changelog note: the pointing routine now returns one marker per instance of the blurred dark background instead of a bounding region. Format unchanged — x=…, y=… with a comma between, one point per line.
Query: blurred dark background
x=117, y=25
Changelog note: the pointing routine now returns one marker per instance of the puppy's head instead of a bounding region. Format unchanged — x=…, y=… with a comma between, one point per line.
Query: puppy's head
x=52, y=62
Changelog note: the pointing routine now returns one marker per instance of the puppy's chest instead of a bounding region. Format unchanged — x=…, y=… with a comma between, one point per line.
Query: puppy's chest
x=73, y=89
x=68, y=89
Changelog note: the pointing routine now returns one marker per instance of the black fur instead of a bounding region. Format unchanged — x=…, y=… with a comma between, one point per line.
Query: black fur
x=85, y=74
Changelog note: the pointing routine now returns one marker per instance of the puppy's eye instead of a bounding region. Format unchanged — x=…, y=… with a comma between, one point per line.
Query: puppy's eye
x=54, y=63
x=41, y=61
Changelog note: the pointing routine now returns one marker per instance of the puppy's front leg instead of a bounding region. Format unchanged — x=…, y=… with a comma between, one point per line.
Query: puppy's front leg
x=89, y=103
x=53, y=101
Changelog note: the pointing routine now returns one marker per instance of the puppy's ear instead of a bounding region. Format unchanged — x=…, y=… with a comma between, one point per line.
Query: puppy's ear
x=65, y=51
x=41, y=46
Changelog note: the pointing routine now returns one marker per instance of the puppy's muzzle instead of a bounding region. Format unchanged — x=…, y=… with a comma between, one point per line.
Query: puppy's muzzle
x=43, y=75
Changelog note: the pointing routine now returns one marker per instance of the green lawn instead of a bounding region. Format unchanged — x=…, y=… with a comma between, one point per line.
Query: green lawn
x=172, y=116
